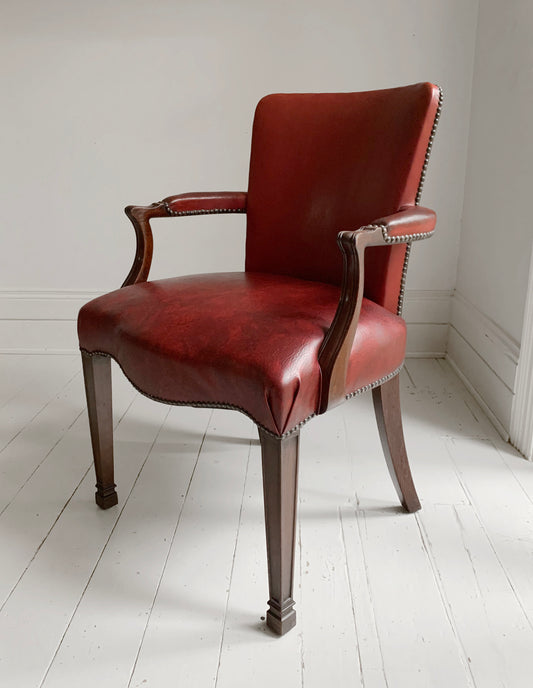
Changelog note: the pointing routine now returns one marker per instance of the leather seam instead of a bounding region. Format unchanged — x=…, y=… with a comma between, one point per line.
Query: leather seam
x=234, y=407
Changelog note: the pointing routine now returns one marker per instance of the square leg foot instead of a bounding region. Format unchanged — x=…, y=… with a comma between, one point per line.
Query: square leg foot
x=105, y=501
x=281, y=623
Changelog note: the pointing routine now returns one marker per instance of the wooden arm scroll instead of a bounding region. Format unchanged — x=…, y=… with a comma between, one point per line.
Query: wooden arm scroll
x=174, y=206
x=408, y=224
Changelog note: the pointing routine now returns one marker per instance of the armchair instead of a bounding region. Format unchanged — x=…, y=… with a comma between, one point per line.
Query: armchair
x=305, y=325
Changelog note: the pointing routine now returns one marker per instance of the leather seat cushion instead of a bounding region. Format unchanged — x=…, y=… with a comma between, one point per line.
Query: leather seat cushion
x=245, y=340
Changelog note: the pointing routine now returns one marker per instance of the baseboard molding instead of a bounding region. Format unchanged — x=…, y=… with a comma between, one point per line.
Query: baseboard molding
x=473, y=391
x=40, y=322
x=43, y=305
x=36, y=322
x=499, y=351
x=485, y=358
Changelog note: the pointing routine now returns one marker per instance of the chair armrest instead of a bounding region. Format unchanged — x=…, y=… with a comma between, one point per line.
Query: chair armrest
x=206, y=203
x=408, y=224
x=174, y=206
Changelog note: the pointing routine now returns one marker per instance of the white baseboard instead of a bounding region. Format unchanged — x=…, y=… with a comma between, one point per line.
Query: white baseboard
x=486, y=358
x=45, y=321
x=473, y=391
x=43, y=305
x=40, y=322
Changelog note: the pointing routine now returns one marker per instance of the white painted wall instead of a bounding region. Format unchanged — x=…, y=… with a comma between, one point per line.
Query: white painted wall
x=496, y=238
x=111, y=103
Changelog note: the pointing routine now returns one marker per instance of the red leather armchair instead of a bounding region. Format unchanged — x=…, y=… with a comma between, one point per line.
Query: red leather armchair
x=306, y=325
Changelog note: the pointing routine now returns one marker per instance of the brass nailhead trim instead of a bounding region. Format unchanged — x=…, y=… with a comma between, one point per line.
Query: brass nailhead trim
x=199, y=404
x=372, y=385
x=406, y=237
x=401, y=296
x=212, y=211
x=430, y=146
x=233, y=407
x=399, y=239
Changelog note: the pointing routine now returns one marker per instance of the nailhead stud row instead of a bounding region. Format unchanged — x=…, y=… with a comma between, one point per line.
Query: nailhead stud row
x=212, y=211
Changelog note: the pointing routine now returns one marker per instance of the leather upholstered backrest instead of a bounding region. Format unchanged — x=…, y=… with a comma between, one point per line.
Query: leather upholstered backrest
x=322, y=163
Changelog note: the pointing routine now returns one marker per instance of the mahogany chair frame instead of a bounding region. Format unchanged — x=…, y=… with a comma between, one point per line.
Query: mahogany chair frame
x=279, y=454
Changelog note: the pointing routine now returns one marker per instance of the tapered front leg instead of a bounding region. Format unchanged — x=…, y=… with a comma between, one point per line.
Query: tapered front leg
x=389, y=418
x=97, y=374
x=280, y=483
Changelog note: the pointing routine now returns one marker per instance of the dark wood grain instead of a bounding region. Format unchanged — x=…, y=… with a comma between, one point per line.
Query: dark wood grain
x=140, y=217
x=386, y=399
x=97, y=375
x=410, y=223
x=207, y=203
x=334, y=353
x=280, y=484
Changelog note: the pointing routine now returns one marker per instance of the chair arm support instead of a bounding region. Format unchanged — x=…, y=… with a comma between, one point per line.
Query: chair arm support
x=408, y=224
x=174, y=206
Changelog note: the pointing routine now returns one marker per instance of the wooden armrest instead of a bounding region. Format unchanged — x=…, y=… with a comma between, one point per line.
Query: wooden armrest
x=408, y=224
x=174, y=206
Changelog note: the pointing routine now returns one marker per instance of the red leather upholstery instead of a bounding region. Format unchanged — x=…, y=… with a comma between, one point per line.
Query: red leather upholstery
x=322, y=163
x=210, y=202
x=408, y=222
x=246, y=340
x=292, y=335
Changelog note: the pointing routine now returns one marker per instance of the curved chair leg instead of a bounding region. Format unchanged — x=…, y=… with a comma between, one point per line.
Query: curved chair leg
x=97, y=375
x=280, y=482
x=386, y=399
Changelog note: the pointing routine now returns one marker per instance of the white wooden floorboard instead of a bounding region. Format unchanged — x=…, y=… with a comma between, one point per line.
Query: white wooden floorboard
x=251, y=655
x=183, y=637
x=370, y=655
x=443, y=403
x=432, y=467
x=504, y=510
x=326, y=485
x=427, y=420
x=409, y=634
x=498, y=645
x=32, y=513
x=37, y=439
x=522, y=470
x=49, y=376
x=372, y=487
x=168, y=589
x=14, y=373
x=121, y=592
x=19, y=371
x=419, y=645
x=37, y=613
